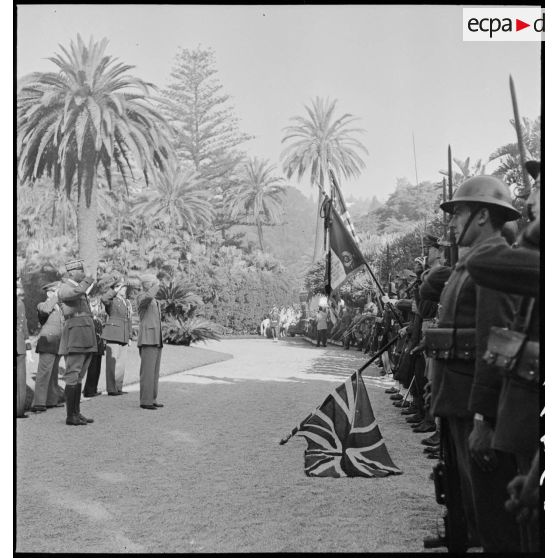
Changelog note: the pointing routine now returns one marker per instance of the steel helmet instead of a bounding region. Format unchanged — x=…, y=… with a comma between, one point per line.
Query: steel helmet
x=485, y=190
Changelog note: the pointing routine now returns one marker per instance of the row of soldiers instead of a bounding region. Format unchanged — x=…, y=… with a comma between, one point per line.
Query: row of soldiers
x=464, y=344
x=70, y=329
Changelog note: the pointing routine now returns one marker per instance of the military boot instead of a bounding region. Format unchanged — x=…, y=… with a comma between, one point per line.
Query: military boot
x=71, y=416
x=82, y=419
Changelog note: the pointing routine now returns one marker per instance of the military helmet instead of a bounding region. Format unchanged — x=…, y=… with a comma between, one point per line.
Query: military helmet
x=485, y=190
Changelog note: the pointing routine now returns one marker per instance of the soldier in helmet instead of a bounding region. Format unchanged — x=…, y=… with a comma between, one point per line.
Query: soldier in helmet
x=517, y=271
x=464, y=387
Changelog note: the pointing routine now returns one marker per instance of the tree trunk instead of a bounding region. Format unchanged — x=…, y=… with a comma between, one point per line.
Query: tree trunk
x=260, y=235
x=87, y=231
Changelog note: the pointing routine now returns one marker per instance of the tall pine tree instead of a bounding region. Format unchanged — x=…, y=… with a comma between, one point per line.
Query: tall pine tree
x=208, y=135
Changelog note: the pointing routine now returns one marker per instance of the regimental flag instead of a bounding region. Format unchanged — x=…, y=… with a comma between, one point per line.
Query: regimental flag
x=346, y=257
x=343, y=436
x=342, y=207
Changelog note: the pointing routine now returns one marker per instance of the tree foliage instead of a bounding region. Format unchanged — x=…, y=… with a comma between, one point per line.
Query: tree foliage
x=90, y=114
x=208, y=135
x=259, y=196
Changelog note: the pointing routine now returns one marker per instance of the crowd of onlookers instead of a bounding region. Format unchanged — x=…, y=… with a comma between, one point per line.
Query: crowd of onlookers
x=276, y=324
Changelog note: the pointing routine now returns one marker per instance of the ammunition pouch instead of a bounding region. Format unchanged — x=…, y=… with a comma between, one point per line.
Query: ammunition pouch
x=450, y=344
x=511, y=352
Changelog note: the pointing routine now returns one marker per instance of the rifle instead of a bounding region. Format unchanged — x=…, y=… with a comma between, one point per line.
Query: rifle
x=517, y=125
x=452, y=249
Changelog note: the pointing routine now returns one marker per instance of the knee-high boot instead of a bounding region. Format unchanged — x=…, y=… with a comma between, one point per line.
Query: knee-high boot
x=72, y=417
x=77, y=396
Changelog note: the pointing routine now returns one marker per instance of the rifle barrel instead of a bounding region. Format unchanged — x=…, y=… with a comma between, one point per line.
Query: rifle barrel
x=517, y=125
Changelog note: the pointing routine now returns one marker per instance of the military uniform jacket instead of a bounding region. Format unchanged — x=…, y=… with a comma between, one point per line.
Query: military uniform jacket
x=21, y=327
x=463, y=387
x=516, y=271
x=78, y=334
x=51, y=330
x=149, y=331
x=118, y=327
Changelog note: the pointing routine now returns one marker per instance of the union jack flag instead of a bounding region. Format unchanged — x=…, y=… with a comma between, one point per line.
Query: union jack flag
x=343, y=436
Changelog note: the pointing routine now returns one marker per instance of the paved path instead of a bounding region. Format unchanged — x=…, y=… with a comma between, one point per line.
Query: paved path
x=205, y=474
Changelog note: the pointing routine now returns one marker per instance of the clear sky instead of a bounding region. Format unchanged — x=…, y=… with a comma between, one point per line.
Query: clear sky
x=402, y=69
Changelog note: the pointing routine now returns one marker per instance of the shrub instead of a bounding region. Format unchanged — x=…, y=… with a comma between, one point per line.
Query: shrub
x=177, y=331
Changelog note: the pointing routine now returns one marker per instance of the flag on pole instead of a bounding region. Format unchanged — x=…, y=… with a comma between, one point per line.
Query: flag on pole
x=346, y=257
x=342, y=207
x=343, y=437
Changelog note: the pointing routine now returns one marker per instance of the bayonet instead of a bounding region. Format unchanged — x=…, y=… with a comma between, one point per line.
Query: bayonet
x=517, y=124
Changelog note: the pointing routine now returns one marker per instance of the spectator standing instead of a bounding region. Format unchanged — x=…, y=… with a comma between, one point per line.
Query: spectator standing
x=321, y=326
x=23, y=350
x=150, y=342
x=274, y=323
x=94, y=368
x=48, y=342
x=117, y=333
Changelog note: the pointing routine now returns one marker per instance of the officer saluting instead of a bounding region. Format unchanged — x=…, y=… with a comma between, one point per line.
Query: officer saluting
x=78, y=341
x=52, y=323
x=463, y=385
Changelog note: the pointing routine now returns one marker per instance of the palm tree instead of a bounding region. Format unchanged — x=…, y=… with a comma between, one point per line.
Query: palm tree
x=90, y=114
x=320, y=142
x=180, y=199
x=259, y=196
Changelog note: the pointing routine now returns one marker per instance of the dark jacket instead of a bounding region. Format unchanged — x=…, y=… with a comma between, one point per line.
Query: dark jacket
x=149, y=331
x=78, y=335
x=50, y=315
x=118, y=327
x=517, y=271
x=463, y=387
x=22, y=334
x=433, y=283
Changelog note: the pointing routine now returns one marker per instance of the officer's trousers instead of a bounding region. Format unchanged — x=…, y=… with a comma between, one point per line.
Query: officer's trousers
x=93, y=373
x=116, y=356
x=46, y=380
x=21, y=384
x=76, y=367
x=149, y=373
x=322, y=337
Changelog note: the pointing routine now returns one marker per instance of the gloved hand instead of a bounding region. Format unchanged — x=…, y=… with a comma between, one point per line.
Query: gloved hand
x=402, y=332
x=385, y=299
x=29, y=356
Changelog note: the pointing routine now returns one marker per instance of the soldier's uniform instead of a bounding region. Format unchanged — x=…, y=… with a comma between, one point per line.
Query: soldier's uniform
x=517, y=271
x=48, y=342
x=463, y=381
x=78, y=340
